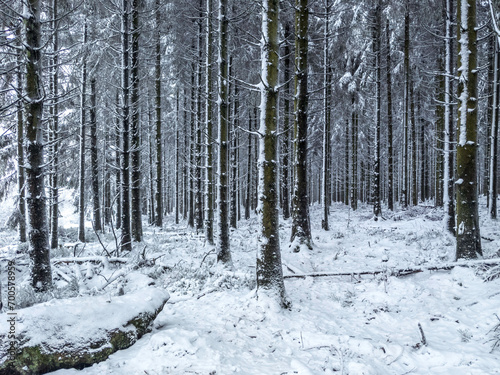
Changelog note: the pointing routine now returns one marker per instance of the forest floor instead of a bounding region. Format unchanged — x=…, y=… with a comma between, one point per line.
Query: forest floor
x=369, y=324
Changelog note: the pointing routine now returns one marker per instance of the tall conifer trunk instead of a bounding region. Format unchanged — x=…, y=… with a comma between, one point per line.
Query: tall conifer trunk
x=38, y=230
x=20, y=143
x=390, y=150
x=377, y=208
x=83, y=120
x=135, y=151
x=301, y=227
x=94, y=157
x=158, y=130
x=209, y=184
x=269, y=270
x=468, y=233
x=325, y=188
x=223, y=251
x=126, y=239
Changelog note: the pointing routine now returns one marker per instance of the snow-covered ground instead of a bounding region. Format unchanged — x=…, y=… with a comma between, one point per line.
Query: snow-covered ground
x=354, y=324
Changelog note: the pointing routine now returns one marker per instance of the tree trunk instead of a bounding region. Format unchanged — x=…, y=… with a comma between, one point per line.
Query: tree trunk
x=423, y=169
x=209, y=184
x=233, y=217
x=158, y=137
x=269, y=270
x=135, y=151
x=38, y=230
x=405, y=179
x=54, y=138
x=20, y=144
x=192, y=166
x=94, y=161
x=377, y=208
x=449, y=206
x=286, y=124
x=81, y=188
x=248, y=195
x=390, y=151
x=325, y=188
x=223, y=251
x=126, y=239
x=118, y=177
x=199, y=125
x=301, y=227
x=354, y=155
x=414, y=189
x=493, y=163
x=440, y=135
x=468, y=234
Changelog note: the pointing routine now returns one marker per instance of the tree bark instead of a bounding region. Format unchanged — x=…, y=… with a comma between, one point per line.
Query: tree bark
x=94, y=161
x=83, y=120
x=209, y=184
x=301, y=227
x=223, y=250
x=468, y=236
x=286, y=124
x=325, y=188
x=38, y=230
x=377, y=208
x=20, y=144
x=54, y=139
x=126, y=239
x=493, y=162
x=158, y=129
x=390, y=150
x=269, y=270
x=135, y=151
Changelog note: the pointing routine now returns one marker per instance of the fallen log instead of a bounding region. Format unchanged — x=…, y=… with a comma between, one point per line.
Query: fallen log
x=402, y=271
x=94, y=260
x=76, y=332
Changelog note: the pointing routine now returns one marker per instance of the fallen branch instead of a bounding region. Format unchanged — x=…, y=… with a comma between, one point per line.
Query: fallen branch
x=94, y=260
x=402, y=271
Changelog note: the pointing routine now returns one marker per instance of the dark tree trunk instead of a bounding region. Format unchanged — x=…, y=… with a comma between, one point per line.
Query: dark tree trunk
x=286, y=125
x=135, y=152
x=20, y=145
x=377, y=208
x=390, y=151
x=468, y=233
x=158, y=137
x=301, y=227
x=233, y=216
x=126, y=239
x=325, y=190
x=209, y=187
x=414, y=189
x=81, y=188
x=493, y=156
x=54, y=181
x=248, y=195
x=223, y=251
x=199, y=125
x=94, y=161
x=38, y=230
x=269, y=269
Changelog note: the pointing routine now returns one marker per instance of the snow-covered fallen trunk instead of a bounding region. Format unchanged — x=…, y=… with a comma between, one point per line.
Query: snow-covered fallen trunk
x=76, y=333
x=402, y=271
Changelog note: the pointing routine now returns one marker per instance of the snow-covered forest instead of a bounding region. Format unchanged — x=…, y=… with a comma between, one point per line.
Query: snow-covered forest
x=250, y=187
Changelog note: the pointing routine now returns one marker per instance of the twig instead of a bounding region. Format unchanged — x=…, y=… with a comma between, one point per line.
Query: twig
x=423, y=340
x=99, y=238
x=207, y=254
